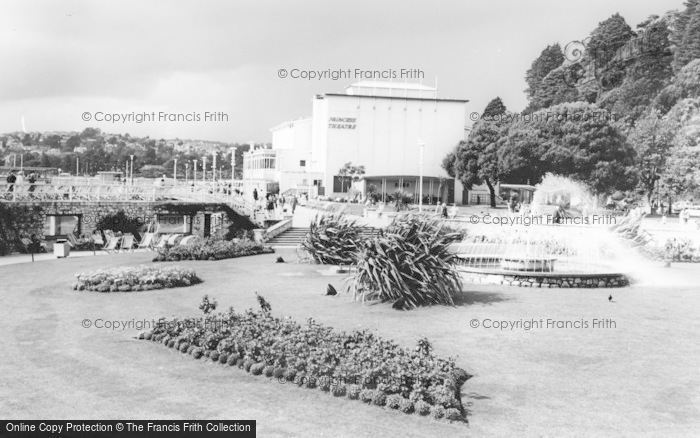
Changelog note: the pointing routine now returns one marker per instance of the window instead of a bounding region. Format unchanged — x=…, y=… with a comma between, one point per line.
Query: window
x=302, y=163
x=61, y=225
x=341, y=184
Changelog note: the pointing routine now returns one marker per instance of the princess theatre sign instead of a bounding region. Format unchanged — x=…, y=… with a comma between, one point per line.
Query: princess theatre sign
x=342, y=123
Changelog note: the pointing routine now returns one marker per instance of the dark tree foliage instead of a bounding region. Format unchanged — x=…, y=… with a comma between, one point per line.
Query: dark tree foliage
x=687, y=35
x=550, y=58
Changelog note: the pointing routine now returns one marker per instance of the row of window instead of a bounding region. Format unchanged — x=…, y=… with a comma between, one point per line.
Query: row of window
x=61, y=225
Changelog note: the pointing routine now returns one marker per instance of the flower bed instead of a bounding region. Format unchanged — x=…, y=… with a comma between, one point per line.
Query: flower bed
x=356, y=365
x=135, y=279
x=212, y=249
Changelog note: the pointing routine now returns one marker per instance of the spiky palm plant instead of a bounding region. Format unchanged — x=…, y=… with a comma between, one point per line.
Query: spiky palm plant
x=410, y=264
x=332, y=239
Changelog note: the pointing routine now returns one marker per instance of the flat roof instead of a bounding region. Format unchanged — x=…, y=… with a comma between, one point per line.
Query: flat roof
x=289, y=123
x=355, y=96
x=391, y=85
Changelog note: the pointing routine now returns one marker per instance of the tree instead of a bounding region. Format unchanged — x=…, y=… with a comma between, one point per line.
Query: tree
x=494, y=108
x=575, y=139
x=686, y=84
x=72, y=143
x=476, y=159
x=90, y=133
x=448, y=163
x=681, y=175
x=550, y=58
x=45, y=162
x=350, y=173
x=610, y=35
x=652, y=138
x=555, y=89
x=687, y=35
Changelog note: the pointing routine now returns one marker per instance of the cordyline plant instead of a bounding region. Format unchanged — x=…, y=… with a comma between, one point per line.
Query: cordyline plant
x=332, y=239
x=409, y=265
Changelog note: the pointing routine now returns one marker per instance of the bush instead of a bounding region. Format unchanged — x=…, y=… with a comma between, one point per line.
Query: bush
x=289, y=375
x=190, y=349
x=453, y=414
x=257, y=369
x=332, y=239
x=378, y=398
x=232, y=360
x=325, y=384
x=353, y=392
x=339, y=390
x=214, y=355
x=401, y=200
x=394, y=401
x=410, y=263
x=183, y=347
x=268, y=371
x=197, y=352
x=366, y=395
x=406, y=406
x=278, y=373
x=135, y=278
x=437, y=412
x=212, y=249
x=422, y=407
x=223, y=358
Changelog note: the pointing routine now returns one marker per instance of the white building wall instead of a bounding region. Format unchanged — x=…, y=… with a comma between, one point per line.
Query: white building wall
x=385, y=134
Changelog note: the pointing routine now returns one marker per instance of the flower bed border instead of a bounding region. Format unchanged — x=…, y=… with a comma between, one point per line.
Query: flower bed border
x=352, y=392
x=121, y=279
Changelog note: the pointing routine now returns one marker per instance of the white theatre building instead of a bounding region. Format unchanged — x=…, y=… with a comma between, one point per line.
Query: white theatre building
x=380, y=125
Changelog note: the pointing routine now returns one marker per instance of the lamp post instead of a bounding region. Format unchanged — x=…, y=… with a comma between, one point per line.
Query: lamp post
x=204, y=169
x=175, y=172
x=132, y=170
x=213, y=170
x=420, y=183
x=77, y=166
x=233, y=165
x=187, y=171
x=21, y=162
x=194, y=177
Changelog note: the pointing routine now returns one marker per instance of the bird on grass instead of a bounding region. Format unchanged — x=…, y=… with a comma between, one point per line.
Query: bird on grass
x=331, y=290
x=399, y=304
x=610, y=298
x=279, y=259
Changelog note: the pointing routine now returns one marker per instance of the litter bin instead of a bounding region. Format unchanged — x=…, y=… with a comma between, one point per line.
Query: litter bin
x=61, y=248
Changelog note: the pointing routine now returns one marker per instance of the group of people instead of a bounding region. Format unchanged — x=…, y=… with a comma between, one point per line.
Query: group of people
x=16, y=181
x=275, y=205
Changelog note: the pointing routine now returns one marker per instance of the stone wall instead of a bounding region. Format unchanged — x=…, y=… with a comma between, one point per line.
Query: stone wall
x=23, y=219
x=548, y=280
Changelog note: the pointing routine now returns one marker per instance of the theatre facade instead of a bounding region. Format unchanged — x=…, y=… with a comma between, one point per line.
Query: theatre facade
x=397, y=131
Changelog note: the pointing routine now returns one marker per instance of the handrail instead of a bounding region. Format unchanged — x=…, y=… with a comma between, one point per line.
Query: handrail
x=105, y=192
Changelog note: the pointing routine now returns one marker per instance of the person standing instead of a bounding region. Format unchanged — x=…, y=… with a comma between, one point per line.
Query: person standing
x=32, y=181
x=19, y=182
x=444, y=210
x=11, y=180
x=294, y=203
x=255, y=195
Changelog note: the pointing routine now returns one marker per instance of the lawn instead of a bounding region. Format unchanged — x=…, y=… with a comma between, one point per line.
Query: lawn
x=638, y=378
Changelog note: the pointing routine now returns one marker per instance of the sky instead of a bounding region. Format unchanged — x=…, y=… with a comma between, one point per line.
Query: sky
x=65, y=61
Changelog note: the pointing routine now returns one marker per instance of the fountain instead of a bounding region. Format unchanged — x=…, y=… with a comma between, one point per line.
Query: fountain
x=561, y=240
